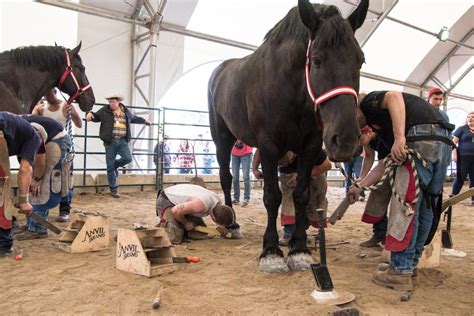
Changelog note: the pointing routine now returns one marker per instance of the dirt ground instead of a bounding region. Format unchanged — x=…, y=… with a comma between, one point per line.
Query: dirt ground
x=226, y=281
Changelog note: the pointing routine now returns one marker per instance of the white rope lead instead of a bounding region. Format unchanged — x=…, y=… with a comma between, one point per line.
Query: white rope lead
x=390, y=167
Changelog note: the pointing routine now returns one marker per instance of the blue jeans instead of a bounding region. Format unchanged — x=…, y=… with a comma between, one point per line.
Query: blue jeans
x=245, y=162
x=112, y=149
x=431, y=181
x=6, y=240
x=352, y=169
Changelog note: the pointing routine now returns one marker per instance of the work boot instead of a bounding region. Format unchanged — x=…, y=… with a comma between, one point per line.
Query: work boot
x=372, y=242
x=64, y=210
x=414, y=275
x=115, y=194
x=62, y=218
x=4, y=253
x=245, y=203
x=28, y=235
x=235, y=202
x=393, y=279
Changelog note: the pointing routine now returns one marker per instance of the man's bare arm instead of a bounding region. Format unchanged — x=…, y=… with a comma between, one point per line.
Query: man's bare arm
x=367, y=162
x=179, y=211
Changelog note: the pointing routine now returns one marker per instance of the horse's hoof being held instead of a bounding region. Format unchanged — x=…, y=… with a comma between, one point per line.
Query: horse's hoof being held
x=300, y=261
x=272, y=264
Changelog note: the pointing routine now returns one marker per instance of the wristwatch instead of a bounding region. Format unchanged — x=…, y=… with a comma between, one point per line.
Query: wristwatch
x=37, y=179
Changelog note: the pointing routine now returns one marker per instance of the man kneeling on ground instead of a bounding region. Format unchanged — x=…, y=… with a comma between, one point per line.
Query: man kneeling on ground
x=182, y=207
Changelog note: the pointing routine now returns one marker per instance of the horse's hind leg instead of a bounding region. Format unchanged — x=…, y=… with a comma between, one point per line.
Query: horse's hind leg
x=224, y=141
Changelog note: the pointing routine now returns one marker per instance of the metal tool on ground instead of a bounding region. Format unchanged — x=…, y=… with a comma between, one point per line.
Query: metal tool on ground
x=211, y=231
x=446, y=239
x=339, y=212
x=157, y=300
x=325, y=293
x=186, y=259
x=196, y=180
x=38, y=219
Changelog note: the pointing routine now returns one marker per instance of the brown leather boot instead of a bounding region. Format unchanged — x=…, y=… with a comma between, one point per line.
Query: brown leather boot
x=372, y=242
x=384, y=266
x=393, y=279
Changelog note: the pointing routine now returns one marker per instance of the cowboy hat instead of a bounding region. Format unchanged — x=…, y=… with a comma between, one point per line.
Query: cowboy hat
x=115, y=96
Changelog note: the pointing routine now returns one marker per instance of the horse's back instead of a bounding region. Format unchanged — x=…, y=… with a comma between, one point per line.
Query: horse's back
x=227, y=95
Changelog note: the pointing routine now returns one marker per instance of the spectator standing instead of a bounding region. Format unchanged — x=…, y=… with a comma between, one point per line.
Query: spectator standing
x=163, y=145
x=463, y=137
x=241, y=157
x=115, y=121
x=185, y=161
x=57, y=110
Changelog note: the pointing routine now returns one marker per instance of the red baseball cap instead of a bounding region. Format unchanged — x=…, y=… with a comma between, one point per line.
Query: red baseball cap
x=366, y=129
x=434, y=90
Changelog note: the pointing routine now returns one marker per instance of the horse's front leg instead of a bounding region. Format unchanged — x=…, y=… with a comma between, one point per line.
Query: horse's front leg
x=271, y=258
x=299, y=256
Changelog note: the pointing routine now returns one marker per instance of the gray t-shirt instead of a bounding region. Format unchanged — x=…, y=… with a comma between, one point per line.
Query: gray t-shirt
x=181, y=193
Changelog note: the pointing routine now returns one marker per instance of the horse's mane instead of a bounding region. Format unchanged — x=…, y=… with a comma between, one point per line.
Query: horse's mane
x=50, y=57
x=332, y=32
x=290, y=26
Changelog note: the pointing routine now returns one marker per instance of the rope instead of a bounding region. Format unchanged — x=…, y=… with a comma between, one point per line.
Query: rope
x=390, y=167
x=72, y=152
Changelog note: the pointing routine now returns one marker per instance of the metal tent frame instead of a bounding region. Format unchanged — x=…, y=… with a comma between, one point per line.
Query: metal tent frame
x=148, y=14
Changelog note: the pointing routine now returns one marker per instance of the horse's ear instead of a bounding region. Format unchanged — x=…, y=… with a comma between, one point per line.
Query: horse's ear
x=308, y=15
x=76, y=50
x=55, y=44
x=357, y=18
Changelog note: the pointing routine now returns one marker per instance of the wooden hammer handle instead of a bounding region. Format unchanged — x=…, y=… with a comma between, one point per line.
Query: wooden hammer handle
x=339, y=212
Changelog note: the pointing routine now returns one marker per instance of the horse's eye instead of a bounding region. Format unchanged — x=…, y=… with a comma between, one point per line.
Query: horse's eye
x=316, y=61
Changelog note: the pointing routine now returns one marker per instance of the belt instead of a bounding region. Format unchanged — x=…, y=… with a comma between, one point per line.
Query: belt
x=432, y=138
x=59, y=135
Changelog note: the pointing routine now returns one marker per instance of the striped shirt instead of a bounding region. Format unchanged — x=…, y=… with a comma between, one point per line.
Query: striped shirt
x=120, y=125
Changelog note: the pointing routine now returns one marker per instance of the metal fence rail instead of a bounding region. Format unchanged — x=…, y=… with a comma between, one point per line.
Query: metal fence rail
x=164, y=127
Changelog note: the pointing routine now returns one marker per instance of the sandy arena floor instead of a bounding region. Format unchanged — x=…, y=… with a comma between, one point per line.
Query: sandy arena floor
x=226, y=281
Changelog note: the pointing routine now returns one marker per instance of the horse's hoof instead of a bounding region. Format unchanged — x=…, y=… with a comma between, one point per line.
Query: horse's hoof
x=272, y=264
x=300, y=262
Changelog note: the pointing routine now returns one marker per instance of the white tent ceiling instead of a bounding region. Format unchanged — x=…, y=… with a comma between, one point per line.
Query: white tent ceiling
x=398, y=37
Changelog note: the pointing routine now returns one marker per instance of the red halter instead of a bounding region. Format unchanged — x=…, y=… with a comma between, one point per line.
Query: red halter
x=328, y=94
x=68, y=72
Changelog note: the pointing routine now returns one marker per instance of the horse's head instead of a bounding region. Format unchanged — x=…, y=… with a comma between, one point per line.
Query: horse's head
x=74, y=80
x=333, y=73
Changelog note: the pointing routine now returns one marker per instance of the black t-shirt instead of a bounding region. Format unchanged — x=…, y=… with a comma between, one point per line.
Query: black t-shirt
x=22, y=140
x=381, y=146
x=293, y=166
x=417, y=112
x=51, y=126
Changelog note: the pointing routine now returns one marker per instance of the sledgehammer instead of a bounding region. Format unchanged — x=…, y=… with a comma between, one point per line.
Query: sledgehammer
x=38, y=219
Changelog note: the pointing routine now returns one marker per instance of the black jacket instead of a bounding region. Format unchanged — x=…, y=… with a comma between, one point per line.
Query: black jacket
x=106, y=117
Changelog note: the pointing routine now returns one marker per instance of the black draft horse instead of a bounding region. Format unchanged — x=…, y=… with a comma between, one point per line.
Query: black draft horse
x=27, y=73
x=296, y=90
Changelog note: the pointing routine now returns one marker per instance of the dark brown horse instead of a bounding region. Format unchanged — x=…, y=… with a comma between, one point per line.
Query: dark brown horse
x=276, y=102
x=27, y=73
